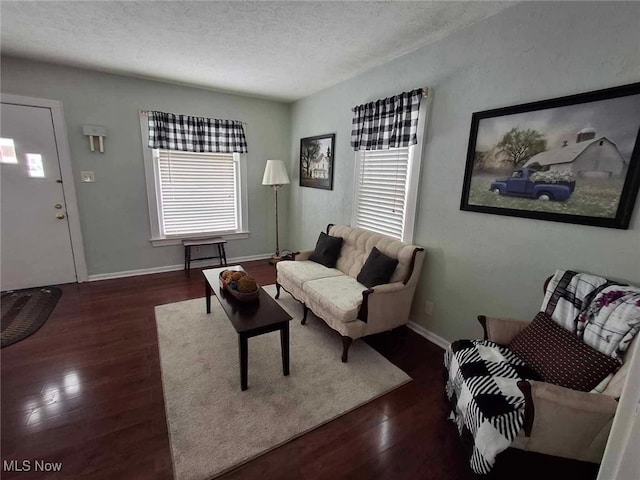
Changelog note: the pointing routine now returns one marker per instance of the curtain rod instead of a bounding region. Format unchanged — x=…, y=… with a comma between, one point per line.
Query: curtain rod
x=425, y=93
x=147, y=112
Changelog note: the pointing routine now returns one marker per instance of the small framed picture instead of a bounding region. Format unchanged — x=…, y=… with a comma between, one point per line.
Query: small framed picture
x=573, y=159
x=316, y=161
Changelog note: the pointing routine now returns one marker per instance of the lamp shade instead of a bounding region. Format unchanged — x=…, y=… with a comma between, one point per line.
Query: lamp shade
x=275, y=173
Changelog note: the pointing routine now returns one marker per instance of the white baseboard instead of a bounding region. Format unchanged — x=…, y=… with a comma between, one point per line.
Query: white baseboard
x=429, y=335
x=173, y=268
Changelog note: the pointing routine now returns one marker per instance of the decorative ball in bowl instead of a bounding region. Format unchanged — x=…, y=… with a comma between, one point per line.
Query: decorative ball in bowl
x=240, y=285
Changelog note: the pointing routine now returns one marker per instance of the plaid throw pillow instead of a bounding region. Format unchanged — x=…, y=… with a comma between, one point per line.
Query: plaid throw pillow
x=559, y=357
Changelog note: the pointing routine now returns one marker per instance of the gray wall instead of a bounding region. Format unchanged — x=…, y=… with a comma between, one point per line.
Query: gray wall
x=478, y=263
x=114, y=212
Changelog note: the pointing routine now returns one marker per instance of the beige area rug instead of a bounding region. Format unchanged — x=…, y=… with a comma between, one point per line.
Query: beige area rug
x=214, y=426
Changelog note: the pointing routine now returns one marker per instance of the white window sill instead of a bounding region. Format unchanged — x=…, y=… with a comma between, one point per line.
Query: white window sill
x=177, y=240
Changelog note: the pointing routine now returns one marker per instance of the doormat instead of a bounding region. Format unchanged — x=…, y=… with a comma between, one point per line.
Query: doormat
x=24, y=311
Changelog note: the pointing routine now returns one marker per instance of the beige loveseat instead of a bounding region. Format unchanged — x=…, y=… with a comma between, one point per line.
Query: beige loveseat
x=335, y=295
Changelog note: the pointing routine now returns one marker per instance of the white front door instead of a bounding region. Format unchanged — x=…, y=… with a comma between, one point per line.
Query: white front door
x=36, y=244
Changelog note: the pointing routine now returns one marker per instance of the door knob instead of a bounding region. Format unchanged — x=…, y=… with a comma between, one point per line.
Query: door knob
x=60, y=216
x=58, y=206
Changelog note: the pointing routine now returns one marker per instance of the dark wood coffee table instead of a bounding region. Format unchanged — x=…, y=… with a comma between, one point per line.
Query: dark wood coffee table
x=250, y=319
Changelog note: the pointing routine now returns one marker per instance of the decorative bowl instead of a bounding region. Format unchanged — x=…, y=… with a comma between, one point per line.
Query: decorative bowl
x=240, y=296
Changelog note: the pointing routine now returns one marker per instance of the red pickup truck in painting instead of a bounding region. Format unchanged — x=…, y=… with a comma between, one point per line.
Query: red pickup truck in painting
x=527, y=182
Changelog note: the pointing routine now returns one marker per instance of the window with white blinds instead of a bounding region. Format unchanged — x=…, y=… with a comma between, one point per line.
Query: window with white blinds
x=197, y=192
x=381, y=191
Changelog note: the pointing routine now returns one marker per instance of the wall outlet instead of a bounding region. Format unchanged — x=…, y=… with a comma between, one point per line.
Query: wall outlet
x=87, y=177
x=197, y=249
x=428, y=308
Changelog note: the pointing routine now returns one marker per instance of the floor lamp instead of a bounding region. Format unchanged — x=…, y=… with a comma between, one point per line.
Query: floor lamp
x=275, y=175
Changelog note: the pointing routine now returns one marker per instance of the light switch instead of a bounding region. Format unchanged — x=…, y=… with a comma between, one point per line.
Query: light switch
x=88, y=177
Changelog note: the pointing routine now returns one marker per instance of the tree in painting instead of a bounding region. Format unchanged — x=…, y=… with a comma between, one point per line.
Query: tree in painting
x=521, y=145
x=309, y=151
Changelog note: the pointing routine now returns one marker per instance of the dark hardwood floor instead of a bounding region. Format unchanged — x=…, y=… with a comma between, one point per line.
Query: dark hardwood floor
x=86, y=390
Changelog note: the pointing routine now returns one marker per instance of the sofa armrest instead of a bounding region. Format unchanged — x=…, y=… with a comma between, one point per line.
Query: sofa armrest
x=388, y=288
x=382, y=299
x=501, y=330
x=564, y=422
x=299, y=256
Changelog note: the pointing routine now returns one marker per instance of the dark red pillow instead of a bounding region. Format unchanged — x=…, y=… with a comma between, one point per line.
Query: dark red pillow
x=559, y=357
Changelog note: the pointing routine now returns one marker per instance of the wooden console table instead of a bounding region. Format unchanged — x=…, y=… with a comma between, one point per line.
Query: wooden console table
x=219, y=242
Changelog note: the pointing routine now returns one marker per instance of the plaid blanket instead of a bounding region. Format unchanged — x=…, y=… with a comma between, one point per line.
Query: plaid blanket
x=487, y=404
x=612, y=320
x=567, y=295
x=603, y=313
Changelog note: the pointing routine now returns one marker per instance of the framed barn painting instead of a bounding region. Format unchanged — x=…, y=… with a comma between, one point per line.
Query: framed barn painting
x=316, y=161
x=573, y=159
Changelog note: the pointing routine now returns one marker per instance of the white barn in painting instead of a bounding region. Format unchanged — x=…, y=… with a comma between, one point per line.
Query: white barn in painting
x=588, y=157
x=320, y=168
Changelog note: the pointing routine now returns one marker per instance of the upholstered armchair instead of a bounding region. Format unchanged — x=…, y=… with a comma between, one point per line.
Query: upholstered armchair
x=559, y=421
x=550, y=385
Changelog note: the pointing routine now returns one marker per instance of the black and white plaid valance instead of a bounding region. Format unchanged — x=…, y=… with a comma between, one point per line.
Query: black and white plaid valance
x=387, y=123
x=195, y=134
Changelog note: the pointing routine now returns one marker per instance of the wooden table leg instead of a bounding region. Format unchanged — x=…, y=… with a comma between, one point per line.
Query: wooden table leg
x=284, y=345
x=244, y=354
x=207, y=292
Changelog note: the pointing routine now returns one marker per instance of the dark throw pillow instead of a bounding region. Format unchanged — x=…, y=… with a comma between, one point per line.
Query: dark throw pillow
x=377, y=270
x=327, y=250
x=559, y=357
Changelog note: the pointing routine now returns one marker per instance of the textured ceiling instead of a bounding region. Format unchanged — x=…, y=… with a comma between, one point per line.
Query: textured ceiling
x=285, y=50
